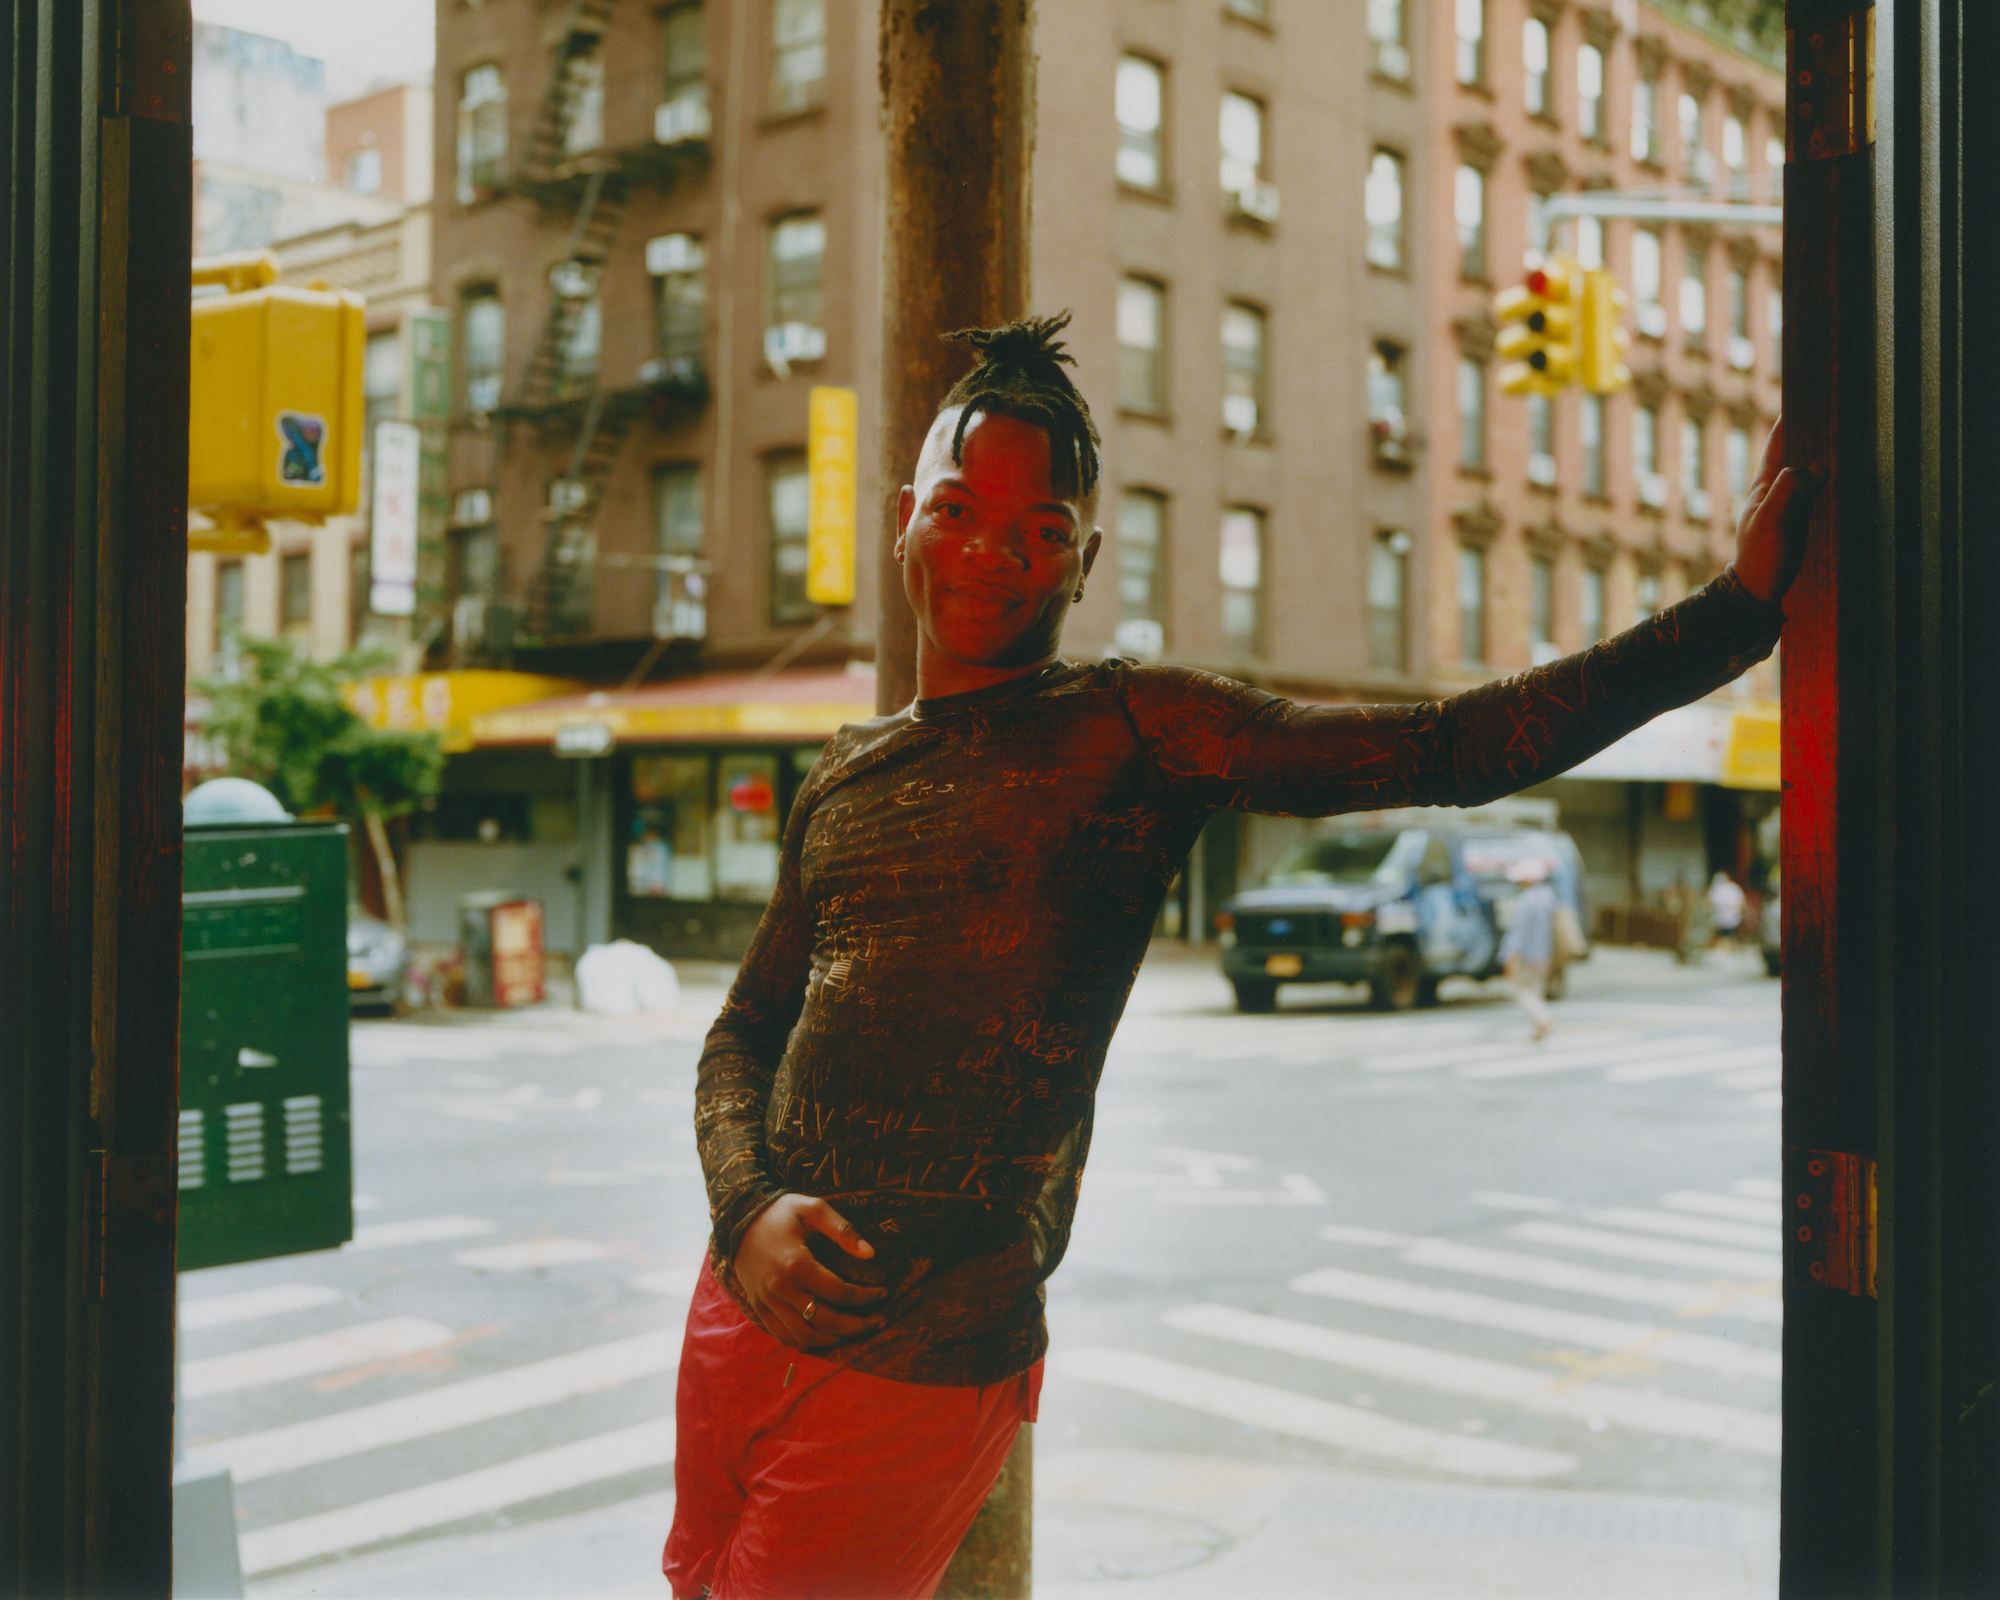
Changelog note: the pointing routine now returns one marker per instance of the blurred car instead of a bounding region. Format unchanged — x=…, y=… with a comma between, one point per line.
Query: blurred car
x=378, y=962
x=1395, y=900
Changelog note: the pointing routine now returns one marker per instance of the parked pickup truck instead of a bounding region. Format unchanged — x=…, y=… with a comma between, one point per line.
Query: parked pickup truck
x=1395, y=899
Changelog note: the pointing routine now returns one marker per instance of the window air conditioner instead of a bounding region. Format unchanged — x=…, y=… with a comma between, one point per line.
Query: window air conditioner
x=1257, y=201
x=682, y=118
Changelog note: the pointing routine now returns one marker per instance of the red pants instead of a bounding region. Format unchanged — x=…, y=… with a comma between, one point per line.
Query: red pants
x=795, y=1479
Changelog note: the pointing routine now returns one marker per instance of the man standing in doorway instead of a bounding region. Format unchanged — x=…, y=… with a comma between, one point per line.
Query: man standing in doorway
x=895, y=1103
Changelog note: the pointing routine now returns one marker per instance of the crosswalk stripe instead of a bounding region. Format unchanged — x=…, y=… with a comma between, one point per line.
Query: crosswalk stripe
x=530, y=1254
x=1694, y=1066
x=1530, y=1064
x=1305, y=1417
x=1758, y=1188
x=215, y=1311
x=1745, y=1235
x=1599, y=1333
x=417, y=1230
x=301, y=1358
x=1450, y=1373
x=1771, y=1076
x=456, y=1405
x=1636, y=1247
x=1735, y=1207
x=1544, y=1272
x=1491, y=1049
x=431, y=1505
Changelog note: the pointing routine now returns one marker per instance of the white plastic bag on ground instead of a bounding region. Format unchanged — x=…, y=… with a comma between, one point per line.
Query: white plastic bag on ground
x=620, y=978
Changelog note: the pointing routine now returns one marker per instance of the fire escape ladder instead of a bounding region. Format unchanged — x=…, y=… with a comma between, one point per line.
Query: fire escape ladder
x=569, y=81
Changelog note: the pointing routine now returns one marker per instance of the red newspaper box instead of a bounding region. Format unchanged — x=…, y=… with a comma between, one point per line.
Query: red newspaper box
x=504, y=964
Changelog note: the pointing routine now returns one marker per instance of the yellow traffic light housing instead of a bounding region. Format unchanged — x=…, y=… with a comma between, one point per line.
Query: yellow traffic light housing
x=1603, y=341
x=275, y=423
x=1539, y=331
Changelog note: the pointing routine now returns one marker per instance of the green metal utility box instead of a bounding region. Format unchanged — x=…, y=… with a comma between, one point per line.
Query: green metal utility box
x=265, y=1158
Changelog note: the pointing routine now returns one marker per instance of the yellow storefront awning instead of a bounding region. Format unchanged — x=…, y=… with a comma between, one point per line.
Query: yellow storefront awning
x=806, y=705
x=448, y=703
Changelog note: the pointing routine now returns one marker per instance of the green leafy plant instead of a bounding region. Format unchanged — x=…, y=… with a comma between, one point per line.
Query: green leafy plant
x=281, y=719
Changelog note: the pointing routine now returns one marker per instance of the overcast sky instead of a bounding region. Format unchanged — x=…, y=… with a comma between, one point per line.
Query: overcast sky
x=359, y=40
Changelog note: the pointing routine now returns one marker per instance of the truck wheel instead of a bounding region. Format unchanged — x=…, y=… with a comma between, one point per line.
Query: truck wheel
x=1395, y=987
x=1256, y=997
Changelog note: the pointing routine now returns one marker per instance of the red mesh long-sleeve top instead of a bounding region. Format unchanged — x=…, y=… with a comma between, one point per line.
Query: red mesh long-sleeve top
x=964, y=896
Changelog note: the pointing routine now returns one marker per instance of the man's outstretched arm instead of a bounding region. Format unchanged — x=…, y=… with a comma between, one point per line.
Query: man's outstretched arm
x=1240, y=747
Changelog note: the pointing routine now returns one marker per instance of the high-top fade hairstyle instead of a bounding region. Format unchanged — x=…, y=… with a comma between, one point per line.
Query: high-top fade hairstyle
x=1020, y=374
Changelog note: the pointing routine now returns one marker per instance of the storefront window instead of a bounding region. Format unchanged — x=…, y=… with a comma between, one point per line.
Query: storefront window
x=746, y=827
x=667, y=856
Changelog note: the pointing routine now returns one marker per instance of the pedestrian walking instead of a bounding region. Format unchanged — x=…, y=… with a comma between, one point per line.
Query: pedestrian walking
x=1529, y=949
x=1726, y=902
x=893, y=1107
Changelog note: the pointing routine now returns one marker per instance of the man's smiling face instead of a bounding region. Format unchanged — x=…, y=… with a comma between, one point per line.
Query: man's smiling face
x=992, y=555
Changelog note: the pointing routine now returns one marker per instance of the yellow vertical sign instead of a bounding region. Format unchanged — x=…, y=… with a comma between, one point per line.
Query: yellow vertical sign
x=831, y=422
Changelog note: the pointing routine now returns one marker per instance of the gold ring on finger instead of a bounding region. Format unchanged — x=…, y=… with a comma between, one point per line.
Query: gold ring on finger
x=811, y=1307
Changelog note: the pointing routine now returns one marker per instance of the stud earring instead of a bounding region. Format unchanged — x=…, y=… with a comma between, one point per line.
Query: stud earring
x=1079, y=591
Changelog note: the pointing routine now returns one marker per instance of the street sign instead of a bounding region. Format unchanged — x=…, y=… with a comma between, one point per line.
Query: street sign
x=392, y=542
x=831, y=422
x=584, y=739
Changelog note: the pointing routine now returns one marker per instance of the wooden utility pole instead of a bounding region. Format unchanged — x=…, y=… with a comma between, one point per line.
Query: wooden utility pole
x=958, y=133
x=95, y=136
x=1891, y=1474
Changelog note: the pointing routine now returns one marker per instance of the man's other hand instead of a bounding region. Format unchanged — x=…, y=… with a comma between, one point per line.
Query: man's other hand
x=1771, y=534
x=798, y=1301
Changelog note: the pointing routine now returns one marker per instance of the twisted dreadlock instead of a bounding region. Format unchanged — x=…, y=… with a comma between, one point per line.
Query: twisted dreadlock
x=1020, y=374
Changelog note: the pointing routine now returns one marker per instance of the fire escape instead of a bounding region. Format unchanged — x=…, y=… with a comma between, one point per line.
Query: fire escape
x=561, y=395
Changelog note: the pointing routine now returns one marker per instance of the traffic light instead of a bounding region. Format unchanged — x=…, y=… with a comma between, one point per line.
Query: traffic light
x=275, y=424
x=1603, y=363
x=1539, y=330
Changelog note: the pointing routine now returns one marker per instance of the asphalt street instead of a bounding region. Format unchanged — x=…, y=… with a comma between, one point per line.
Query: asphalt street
x=1395, y=1306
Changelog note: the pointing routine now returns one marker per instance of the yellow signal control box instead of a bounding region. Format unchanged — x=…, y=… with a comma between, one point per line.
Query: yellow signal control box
x=275, y=423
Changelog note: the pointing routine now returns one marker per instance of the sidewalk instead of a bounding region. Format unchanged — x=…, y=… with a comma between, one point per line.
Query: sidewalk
x=1177, y=1527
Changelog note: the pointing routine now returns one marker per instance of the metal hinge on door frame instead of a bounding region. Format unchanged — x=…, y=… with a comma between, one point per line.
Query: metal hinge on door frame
x=1830, y=1221
x=1830, y=89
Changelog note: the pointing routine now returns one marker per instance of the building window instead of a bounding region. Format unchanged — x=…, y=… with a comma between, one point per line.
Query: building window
x=1141, y=106
x=1142, y=346
x=584, y=80
x=1386, y=41
x=1742, y=353
x=1242, y=134
x=1468, y=206
x=1142, y=537
x=1694, y=294
x=482, y=132
x=1646, y=595
x=679, y=265
x=1471, y=414
x=1735, y=148
x=1535, y=67
x=1541, y=610
x=1388, y=587
x=364, y=171
x=787, y=498
x=1697, y=164
x=583, y=346
x=798, y=55
x=1590, y=92
x=1593, y=605
x=1470, y=26
x=1694, y=470
x=483, y=347
x=1590, y=428
x=475, y=554
x=228, y=604
x=1243, y=408
x=1471, y=603
x=1388, y=414
x=1241, y=567
x=668, y=855
x=684, y=56
x=680, y=594
x=1736, y=467
x=1647, y=312
x=1646, y=120
x=295, y=596
x=1382, y=205
x=1774, y=153
x=381, y=393
x=1652, y=484
x=794, y=265
x=1541, y=441
x=1589, y=243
